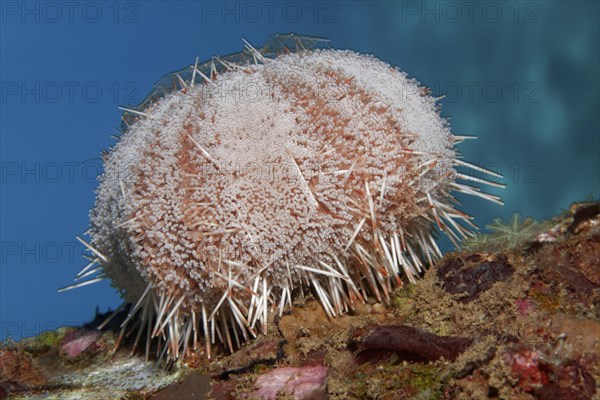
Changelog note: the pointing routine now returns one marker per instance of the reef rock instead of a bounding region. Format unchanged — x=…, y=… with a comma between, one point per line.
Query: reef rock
x=516, y=316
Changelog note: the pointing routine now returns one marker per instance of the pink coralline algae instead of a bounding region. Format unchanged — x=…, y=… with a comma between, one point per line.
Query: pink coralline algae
x=301, y=383
x=76, y=342
x=528, y=367
x=524, y=306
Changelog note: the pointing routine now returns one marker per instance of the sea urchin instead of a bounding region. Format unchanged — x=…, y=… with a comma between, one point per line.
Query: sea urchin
x=267, y=172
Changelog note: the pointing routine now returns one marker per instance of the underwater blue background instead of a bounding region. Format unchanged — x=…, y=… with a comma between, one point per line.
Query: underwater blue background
x=522, y=76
